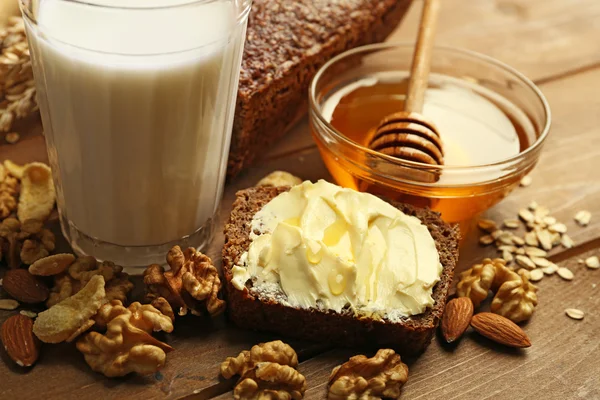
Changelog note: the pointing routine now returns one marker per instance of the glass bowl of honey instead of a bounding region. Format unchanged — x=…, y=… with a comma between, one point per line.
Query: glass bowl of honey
x=492, y=120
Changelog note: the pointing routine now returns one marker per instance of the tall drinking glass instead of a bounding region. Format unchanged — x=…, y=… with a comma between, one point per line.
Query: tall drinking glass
x=137, y=100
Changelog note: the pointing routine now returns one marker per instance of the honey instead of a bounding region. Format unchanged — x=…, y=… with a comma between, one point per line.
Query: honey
x=477, y=126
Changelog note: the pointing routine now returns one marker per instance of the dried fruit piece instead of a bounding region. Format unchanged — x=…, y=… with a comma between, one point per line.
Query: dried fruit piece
x=592, y=262
x=24, y=287
x=18, y=340
x=37, y=192
x=8, y=304
x=499, y=329
x=381, y=376
x=565, y=273
x=456, y=318
x=62, y=321
x=52, y=265
x=574, y=313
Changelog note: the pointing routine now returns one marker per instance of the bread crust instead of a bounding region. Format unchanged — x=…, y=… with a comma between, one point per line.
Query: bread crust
x=410, y=336
x=287, y=42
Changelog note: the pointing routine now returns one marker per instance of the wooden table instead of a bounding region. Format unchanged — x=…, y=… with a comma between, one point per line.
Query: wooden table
x=554, y=42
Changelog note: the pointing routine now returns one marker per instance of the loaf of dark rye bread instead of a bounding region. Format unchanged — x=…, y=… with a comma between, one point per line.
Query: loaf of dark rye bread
x=287, y=42
x=253, y=310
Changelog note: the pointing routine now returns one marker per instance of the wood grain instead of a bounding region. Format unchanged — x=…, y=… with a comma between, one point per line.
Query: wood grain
x=552, y=41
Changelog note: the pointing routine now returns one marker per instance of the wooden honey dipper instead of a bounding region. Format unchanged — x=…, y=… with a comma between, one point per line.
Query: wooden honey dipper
x=407, y=134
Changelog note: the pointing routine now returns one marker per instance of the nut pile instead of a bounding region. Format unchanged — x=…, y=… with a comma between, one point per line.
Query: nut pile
x=87, y=295
x=17, y=87
x=515, y=297
x=530, y=252
x=266, y=371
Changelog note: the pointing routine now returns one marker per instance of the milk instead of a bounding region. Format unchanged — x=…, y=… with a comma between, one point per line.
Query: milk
x=137, y=107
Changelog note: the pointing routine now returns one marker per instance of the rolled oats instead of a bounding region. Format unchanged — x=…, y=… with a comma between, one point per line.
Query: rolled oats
x=536, y=275
x=592, y=262
x=574, y=313
x=565, y=273
x=583, y=217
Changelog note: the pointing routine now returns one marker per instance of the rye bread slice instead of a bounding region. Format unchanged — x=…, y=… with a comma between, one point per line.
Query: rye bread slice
x=258, y=310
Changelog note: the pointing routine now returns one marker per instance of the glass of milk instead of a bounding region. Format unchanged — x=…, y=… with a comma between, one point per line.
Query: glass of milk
x=137, y=100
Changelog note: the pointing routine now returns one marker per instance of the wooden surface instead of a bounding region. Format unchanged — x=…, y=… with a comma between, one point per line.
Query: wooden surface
x=555, y=42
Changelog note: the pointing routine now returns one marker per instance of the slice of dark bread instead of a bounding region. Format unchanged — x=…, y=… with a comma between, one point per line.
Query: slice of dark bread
x=260, y=311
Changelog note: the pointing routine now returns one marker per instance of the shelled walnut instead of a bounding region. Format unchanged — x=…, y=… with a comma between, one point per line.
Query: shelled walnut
x=9, y=193
x=267, y=370
x=381, y=376
x=127, y=346
x=515, y=297
x=26, y=242
x=191, y=284
x=79, y=273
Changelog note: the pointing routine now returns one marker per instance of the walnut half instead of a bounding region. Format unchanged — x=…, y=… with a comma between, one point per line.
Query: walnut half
x=381, y=376
x=267, y=371
x=128, y=345
x=192, y=283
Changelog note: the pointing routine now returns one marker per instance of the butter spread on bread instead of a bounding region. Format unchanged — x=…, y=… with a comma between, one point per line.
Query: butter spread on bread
x=329, y=247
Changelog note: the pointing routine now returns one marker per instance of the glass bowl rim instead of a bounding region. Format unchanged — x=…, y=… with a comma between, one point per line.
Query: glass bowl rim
x=413, y=164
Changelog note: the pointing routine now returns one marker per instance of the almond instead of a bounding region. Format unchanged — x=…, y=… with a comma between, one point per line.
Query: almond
x=19, y=341
x=23, y=286
x=456, y=318
x=499, y=329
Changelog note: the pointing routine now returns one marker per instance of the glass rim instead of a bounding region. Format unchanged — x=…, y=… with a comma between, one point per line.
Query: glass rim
x=413, y=164
x=184, y=3
x=241, y=16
